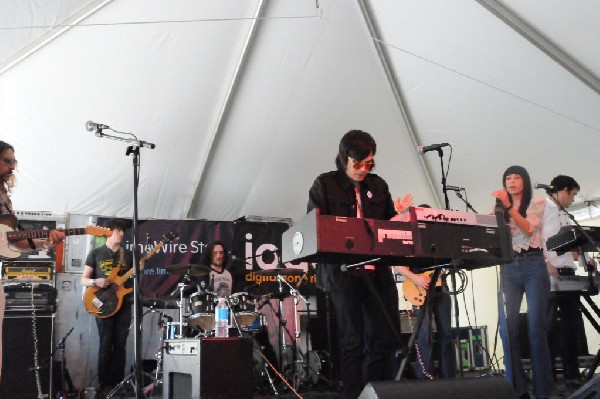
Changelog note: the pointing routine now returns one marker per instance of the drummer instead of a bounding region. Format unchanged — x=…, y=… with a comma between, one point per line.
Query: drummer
x=219, y=280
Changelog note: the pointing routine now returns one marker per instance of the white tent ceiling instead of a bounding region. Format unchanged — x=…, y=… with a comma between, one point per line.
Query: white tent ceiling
x=246, y=100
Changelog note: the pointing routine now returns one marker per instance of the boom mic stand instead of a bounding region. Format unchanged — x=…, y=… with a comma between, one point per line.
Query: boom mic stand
x=61, y=347
x=134, y=150
x=455, y=264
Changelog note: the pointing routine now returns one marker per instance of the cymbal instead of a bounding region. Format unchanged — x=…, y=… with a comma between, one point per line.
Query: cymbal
x=189, y=269
x=282, y=271
x=159, y=303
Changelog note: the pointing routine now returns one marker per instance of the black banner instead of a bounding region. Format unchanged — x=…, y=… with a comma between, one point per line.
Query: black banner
x=252, y=246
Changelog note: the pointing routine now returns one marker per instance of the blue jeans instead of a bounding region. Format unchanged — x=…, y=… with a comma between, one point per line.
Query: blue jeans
x=526, y=274
x=440, y=307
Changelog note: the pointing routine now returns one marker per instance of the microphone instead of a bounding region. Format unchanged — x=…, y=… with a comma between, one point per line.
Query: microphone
x=95, y=127
x=548, y=188
x=422, y=149
x=455, y=188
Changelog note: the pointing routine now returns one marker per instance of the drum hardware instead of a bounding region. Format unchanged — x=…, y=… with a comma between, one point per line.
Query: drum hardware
x=168, y=327
x=261, y=369
x=317, y=367
x=294, y=362
x=186, y=270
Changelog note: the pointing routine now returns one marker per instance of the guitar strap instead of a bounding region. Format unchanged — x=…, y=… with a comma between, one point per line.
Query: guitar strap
x=122, y=258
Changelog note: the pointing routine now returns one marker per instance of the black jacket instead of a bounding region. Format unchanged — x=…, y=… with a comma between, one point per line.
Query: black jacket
x=333, y=194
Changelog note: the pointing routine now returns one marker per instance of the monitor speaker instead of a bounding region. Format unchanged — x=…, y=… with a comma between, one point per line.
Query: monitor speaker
x=591, y=390
x=463, y=388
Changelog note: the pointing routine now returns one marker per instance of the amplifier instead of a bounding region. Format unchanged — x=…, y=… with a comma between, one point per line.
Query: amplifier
x=27, y=297
x=28, y=271
x=208, y=368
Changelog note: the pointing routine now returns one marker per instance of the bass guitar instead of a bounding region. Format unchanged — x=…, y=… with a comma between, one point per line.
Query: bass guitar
x=105, y=302
x=414, y=293
x=8, y=235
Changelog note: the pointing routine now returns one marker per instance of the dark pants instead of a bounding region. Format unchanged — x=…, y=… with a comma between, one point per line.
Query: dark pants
x=367, y=342
x=566, y=320
x=440, y=307
x=113, y=332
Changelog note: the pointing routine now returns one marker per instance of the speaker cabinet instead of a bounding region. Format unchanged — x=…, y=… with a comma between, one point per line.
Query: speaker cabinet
x=208, y=368
x=463, y=388
x=18, y=364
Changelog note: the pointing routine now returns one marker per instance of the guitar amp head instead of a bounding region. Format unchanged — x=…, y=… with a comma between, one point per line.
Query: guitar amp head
x=15, y=272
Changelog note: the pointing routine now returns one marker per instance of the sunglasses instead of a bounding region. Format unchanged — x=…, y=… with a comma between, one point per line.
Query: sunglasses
x=369, y=165
x=10, y=161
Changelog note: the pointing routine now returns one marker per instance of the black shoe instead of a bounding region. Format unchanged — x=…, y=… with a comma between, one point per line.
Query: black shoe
x=524, y=395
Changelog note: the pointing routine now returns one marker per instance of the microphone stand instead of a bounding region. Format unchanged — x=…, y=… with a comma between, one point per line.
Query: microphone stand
x=61, y=346
x=134, y=150
x=444, y=188
x=467, y=203
x=455, y=264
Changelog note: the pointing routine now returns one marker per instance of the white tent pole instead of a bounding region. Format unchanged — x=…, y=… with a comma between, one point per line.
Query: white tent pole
x=52, y=34
x=227, y=103
x=397, y=92
x=542, y=42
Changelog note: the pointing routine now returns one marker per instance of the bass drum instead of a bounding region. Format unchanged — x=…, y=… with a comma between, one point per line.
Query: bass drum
x=202, y=309
x=317, y=366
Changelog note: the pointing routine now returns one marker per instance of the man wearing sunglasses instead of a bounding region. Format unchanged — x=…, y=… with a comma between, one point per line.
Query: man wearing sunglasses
x=367, y=342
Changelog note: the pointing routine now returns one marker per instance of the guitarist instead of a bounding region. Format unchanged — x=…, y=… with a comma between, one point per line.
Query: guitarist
x=113, y=330
x=8, y=164
x=440, y=307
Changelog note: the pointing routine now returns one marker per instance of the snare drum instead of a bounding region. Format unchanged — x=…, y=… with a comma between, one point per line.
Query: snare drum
x=202, y=306
x=172, y=330
x=243, y=308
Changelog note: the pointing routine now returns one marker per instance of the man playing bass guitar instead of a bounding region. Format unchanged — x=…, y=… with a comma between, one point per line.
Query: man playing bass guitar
x=114, y=329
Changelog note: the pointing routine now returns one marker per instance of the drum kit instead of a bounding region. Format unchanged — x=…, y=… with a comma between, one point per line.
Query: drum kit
x=196, y=319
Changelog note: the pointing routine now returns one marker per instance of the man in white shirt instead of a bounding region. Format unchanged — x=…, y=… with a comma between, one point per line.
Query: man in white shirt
x=564, y=305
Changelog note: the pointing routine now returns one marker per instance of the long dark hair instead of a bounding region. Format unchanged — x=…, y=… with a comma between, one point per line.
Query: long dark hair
x=527, y=189
x=355, y=144
x=206, y=258
x=8, y=182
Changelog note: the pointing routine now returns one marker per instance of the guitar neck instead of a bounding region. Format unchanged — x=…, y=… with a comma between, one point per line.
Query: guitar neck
x=121, y=280
x=26, y=235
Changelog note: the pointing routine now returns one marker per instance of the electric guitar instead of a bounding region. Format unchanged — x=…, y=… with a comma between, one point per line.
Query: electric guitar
x=414, y=293
x=105, y=302
x=8, y=235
